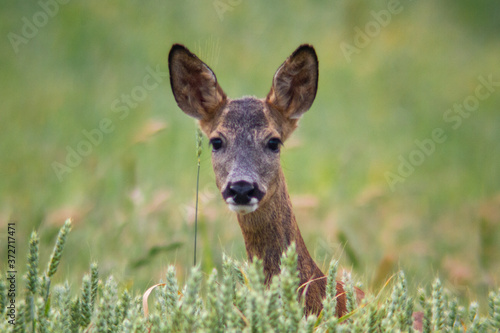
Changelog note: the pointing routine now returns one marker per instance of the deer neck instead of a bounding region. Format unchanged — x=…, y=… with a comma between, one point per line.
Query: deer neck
x=271, y=229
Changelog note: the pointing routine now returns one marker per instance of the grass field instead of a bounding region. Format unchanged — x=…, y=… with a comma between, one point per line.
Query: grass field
x=396, y=165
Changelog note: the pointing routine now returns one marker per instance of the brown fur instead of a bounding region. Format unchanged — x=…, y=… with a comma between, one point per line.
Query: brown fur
x=244, y=127
x=269, y=231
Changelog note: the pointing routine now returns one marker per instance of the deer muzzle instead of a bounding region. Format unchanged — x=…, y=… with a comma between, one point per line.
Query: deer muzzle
x=242, y=197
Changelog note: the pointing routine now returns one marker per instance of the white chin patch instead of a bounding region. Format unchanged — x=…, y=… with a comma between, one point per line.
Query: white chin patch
x=243, y=209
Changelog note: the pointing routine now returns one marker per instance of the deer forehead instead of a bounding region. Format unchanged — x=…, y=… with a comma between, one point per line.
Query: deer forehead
x=246, y=119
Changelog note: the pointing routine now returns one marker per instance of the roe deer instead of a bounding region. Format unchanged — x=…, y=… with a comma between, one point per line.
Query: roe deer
x=246, y=136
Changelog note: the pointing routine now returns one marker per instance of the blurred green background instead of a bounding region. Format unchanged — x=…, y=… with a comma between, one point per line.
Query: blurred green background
x=88, y=132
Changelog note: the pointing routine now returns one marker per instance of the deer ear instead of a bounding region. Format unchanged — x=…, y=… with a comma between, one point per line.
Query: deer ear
x=194, y=84
x=295, y=83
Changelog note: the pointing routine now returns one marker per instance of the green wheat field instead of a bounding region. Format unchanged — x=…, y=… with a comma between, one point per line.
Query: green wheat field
x=394, y=169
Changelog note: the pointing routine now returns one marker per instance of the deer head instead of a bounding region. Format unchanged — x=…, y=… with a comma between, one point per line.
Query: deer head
x=246, y=134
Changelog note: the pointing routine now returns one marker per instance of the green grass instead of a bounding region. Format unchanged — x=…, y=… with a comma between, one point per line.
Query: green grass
x=237, y=301
x=132, y=198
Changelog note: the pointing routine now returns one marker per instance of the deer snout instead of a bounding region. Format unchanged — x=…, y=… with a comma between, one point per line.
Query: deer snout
x=242, y=197
x=241, y=192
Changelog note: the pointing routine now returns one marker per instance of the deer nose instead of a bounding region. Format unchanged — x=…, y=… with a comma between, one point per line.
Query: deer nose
x=241, y=192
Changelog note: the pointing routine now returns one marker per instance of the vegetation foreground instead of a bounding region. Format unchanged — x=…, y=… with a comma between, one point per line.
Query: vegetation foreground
x=236, y=301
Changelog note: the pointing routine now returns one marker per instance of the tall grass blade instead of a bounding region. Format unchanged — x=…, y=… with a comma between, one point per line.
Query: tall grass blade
x=199, y=149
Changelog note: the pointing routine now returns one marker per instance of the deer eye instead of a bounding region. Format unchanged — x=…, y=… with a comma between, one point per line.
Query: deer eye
x=216, y=144
x=274, y=145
